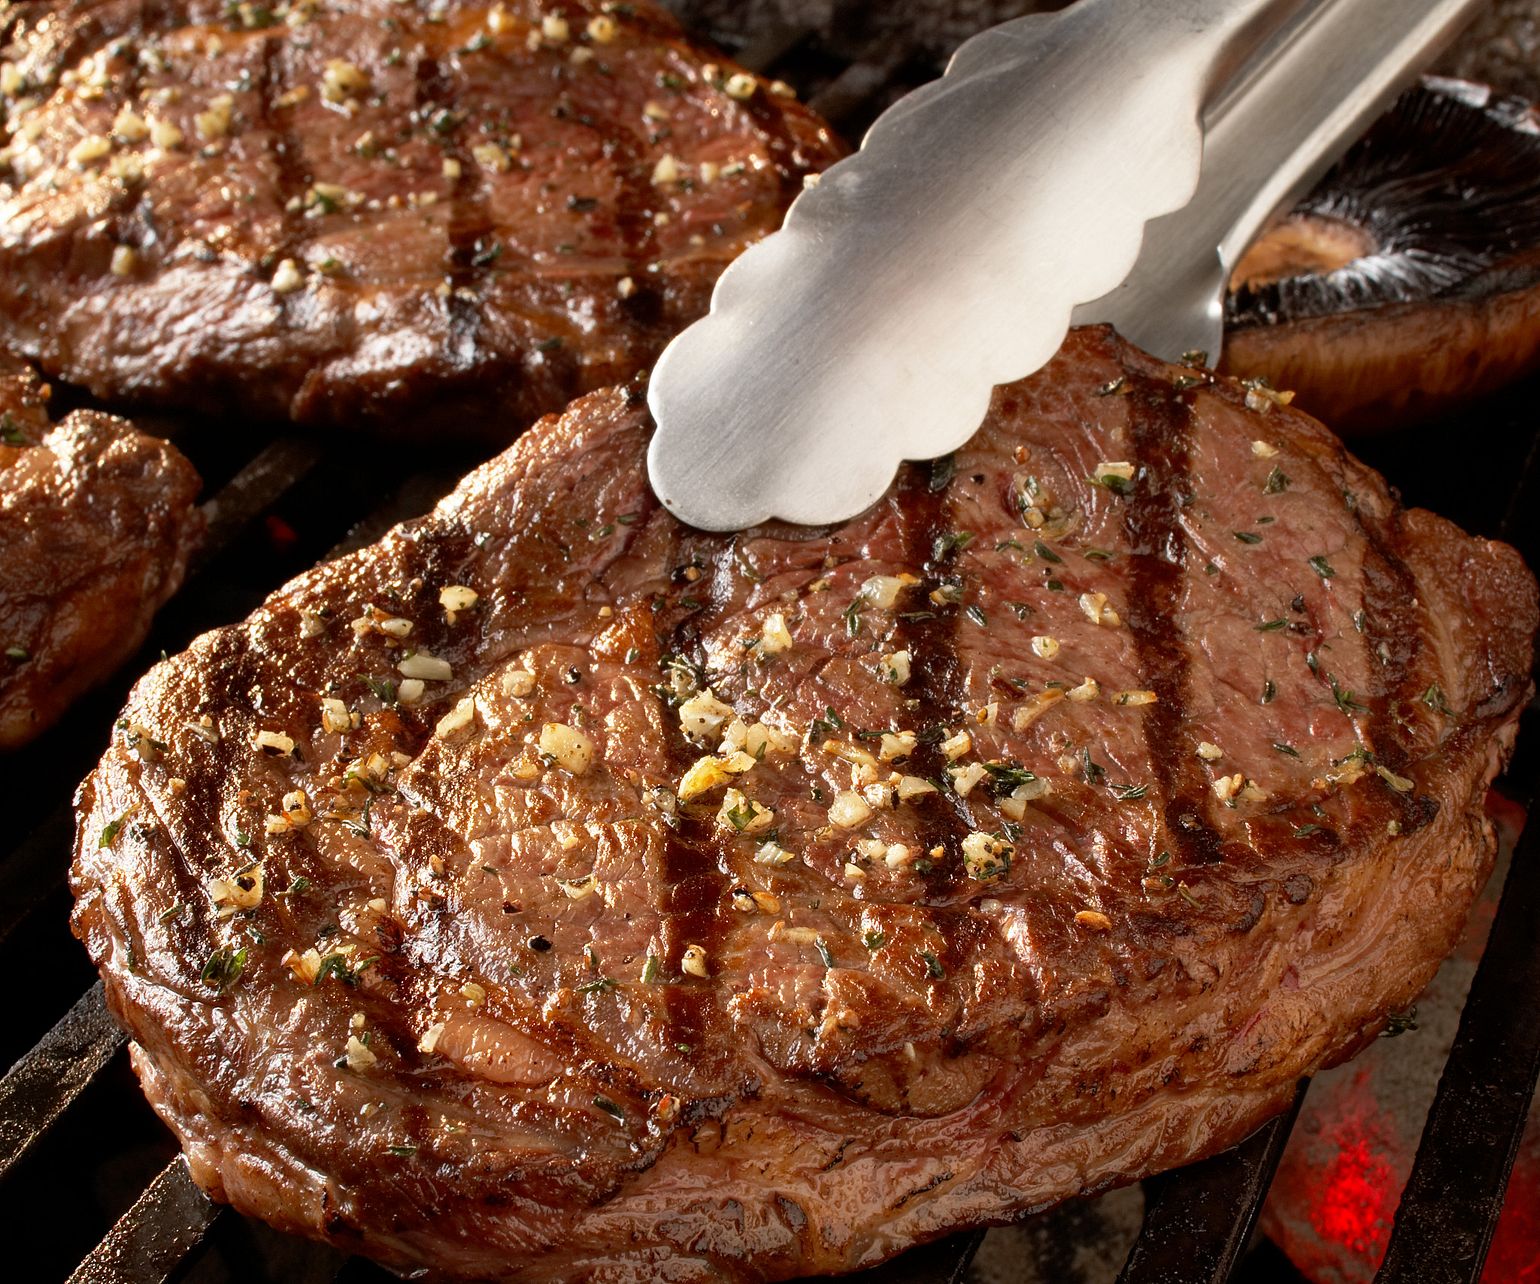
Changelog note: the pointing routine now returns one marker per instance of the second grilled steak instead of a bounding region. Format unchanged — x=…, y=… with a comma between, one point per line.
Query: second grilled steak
x=96, y=525
x=368, y=209
x=551, y=892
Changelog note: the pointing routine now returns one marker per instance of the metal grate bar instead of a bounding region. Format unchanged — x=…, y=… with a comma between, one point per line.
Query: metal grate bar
x=852, y=90
x=43, y=1084
x=149, y=1241
x=276, y=469
x=1197, y=1220
x=1451, y=1204
x=768, y=47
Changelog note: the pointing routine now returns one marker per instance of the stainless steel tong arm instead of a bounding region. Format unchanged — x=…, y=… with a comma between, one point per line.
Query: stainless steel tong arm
x=945, y=257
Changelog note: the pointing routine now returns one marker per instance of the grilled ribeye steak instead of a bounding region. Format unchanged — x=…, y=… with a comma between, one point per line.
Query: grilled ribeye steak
x=96, y=524
x=370, y=208
x=553, y=892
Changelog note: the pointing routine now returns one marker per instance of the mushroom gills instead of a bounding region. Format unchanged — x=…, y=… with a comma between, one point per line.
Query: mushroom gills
x=1409, y=279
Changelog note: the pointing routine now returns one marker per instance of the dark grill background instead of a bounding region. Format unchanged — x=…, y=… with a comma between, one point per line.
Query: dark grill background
x=78, y=1145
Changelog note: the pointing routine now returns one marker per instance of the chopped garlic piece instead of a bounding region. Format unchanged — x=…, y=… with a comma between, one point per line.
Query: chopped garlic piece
x=555, y=29
x=430, y=1037
x=704, y=775
x=1089, y=689
x=965, y=779
x=1262, y=450
x=124, y=260
x=666, y=171
x=1045, y=648
x=954, y=747
x=89, y=150
x=882, y=591
x=288, y=278
x=427, y=667
x=848, y=810
x=306, y=967
x=410, y=691
x=1095, y=608
x=455, y=598
x=128, y=126
x=775, y=637
x=1135, y=697
x=897, y=744
x=740, y=814
x=879, y=795
x=296, y=809
x=341, y=81
x=772, y=853
x=492, y=157
x=896, y=668
x=1261, y=399
x=166, y=136
x=473, y=994
x=741, y=86
x=214, y=122
x=912, y=787
x=464, y=715
x=243, y=891
x=518, y=683
x=568, y=747
x=273, y=741
x=1093, y=920
x=1209, y=751
x=359, y=1056
x=749, y=901
x=693, y=961
x=1226, y=787
x=1033, y=709
x=986, y=856
x=702, y=716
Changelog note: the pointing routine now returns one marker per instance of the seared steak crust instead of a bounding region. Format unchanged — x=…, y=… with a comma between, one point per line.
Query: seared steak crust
x=96, y=524
x=521, y=989
x=364, y=208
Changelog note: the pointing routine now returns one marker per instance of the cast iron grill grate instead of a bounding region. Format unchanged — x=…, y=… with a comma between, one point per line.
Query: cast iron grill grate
x=75, y=1132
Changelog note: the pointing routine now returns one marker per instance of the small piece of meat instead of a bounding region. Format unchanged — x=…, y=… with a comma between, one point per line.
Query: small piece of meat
x=560, y=893
x=404, y=213
x=96, y=524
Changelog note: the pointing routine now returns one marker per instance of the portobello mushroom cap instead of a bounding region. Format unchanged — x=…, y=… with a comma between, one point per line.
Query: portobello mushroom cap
x=1409, y=279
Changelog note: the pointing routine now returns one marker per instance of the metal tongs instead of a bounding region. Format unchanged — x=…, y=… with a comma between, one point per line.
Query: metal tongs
x=1106, y=163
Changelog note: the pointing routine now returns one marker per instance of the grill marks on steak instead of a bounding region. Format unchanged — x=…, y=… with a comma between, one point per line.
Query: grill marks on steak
x=374, y=209
x=886, y=1043
x=96, y=525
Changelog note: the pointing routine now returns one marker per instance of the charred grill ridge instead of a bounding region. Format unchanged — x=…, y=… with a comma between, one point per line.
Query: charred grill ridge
x=1392, y=639
x=930, y=634
x=1160, y=421
x=464, y=266
x=286, y=150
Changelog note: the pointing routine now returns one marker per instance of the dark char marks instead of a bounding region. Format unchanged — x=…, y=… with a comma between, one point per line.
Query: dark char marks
x=1160, y=422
